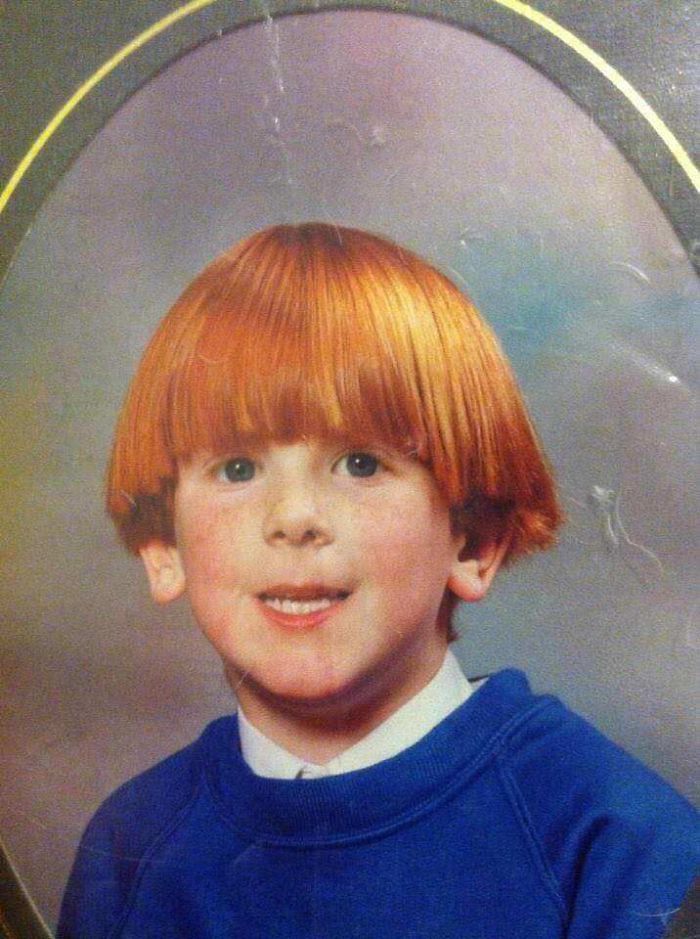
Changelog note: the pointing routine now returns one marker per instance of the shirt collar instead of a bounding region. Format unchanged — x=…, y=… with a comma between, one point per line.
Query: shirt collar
x=413, y=720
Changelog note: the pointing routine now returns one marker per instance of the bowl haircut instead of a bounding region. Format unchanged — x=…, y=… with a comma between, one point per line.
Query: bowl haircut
x=316, y=330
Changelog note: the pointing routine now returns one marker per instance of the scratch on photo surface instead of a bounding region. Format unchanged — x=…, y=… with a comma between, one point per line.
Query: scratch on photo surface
x=663, y=915
x=606, y=503
x=240, y=681
x=636, y=272
x=242, y=855
x=273, y=34
x=459, y=277
x=469, y=235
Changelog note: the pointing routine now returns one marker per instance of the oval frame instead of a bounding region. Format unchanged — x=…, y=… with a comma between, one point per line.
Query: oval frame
x=562, y=50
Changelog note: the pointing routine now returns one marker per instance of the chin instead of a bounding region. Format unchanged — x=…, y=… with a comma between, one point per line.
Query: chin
x=308, y=689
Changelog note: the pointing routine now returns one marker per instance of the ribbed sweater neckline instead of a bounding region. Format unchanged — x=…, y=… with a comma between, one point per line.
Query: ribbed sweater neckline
x=360, y=804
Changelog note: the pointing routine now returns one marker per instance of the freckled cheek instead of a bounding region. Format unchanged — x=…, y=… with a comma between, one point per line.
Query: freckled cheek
x=210, y=549
x=411, y=548
x=397, y=542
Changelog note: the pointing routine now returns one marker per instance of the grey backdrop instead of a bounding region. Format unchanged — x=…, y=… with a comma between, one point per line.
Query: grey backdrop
x=458, y=149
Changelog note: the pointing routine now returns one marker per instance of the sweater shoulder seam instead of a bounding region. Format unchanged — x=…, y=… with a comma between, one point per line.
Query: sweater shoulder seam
x=527, y=826
x=148, y=852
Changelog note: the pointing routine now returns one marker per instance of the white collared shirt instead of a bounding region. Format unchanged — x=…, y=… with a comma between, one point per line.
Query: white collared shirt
x=413, y=720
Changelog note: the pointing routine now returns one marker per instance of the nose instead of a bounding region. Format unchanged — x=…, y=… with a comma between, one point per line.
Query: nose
x=294, y=518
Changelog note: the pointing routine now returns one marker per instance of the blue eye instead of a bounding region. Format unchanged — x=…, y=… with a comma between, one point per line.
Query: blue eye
x=361, y=464
x=238, y=470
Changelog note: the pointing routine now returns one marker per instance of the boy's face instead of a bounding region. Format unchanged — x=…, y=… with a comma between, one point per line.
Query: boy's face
x=316, y=572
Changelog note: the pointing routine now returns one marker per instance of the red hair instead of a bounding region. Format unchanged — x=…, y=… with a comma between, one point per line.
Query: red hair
x=316, y=330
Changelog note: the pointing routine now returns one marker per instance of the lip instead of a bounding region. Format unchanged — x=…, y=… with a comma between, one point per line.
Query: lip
x=302, y=593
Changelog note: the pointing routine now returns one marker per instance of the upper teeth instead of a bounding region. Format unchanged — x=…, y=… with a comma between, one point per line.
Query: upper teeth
x=297, y=607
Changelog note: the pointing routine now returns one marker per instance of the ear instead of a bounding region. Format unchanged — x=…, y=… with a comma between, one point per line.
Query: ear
x=473, y=572
x=166, y=575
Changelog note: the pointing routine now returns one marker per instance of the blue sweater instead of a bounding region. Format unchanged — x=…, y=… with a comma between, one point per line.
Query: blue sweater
x=513, y=818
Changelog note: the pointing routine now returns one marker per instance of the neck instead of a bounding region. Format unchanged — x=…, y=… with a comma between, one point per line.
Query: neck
x=317, y=732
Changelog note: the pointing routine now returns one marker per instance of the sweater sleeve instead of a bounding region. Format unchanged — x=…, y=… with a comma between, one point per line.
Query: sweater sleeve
x=99, y=882
x=122, y=831
x=620, y=845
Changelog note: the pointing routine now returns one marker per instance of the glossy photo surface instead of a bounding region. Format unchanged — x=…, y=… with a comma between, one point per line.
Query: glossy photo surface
x=455, y=147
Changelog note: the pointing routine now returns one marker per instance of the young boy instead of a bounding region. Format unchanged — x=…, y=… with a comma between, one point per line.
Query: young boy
x=324, y=449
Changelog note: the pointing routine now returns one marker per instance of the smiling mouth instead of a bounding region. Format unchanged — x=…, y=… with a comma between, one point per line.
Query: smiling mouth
x=301, y=601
